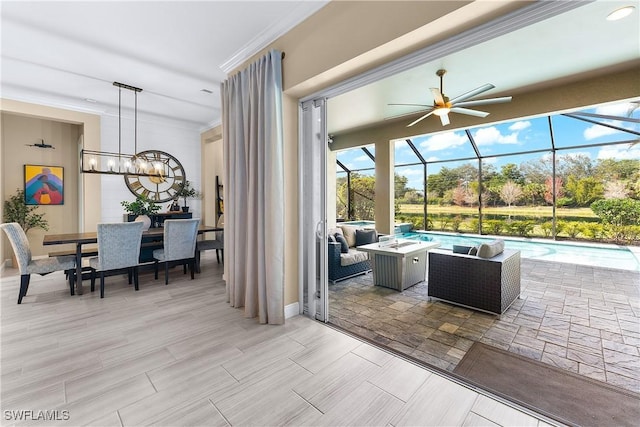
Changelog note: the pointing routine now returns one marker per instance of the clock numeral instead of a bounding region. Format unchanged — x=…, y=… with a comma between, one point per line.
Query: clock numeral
x=136, y=185
x=146, y=192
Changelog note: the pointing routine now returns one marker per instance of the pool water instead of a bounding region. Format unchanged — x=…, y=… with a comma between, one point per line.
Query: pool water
x=594, y=255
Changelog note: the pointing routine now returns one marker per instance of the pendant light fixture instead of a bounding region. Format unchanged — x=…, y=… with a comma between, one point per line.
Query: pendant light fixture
x=120, y=163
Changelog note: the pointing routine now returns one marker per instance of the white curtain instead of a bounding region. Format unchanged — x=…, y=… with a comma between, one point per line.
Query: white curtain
x=254, y=189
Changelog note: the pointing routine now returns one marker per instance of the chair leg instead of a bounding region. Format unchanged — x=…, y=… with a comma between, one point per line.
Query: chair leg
x=129, y=274
x=71, y=275
x=135, y=278
x=166, y=272
x=218, y=255
x=192, y=267
x=222, y=255
x=93, y=279
x=184, y=268
x=198, y=261
x=24, y=286
x=102, y=284
x=155, y=269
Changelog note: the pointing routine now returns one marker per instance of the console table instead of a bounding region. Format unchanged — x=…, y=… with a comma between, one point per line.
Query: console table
x=400, y=265
x=157, y=219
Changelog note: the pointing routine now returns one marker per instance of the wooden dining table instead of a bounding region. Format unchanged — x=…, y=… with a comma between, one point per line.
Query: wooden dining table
x=89, y=237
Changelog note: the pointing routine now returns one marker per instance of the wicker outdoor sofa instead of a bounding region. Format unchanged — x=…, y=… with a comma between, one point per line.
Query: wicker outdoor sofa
x=485, y=284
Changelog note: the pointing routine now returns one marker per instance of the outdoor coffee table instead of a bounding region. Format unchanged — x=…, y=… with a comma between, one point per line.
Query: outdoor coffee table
x=399, y=265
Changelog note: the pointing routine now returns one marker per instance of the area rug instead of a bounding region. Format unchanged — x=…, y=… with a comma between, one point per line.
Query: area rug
x=554, y=392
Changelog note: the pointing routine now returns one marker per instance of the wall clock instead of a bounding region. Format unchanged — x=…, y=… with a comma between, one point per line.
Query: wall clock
x=160, y=178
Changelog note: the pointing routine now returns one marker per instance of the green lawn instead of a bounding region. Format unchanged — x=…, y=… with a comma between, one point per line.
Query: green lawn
x=533, y=211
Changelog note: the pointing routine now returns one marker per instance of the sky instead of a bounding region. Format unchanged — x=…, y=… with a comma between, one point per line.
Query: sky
x=511, y=137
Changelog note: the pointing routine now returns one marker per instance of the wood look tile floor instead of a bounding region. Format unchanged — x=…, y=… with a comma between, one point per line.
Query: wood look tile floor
x=179, y=355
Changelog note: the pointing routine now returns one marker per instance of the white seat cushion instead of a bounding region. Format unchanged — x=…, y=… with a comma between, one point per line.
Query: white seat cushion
x=353, y=257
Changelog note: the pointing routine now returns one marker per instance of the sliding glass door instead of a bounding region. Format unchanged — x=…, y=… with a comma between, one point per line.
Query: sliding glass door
x=312, y=202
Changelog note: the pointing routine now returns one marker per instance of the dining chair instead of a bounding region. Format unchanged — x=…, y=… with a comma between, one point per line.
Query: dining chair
x=28, y=266
x=179, y=245
x=216, y=243
x=118, y=249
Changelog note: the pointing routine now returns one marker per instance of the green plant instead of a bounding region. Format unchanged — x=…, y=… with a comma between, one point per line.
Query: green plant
x=141, y=206
x=16, y=210
x=188, y=192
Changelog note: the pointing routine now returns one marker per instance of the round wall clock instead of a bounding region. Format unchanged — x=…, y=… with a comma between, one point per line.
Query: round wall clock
x=160, y=176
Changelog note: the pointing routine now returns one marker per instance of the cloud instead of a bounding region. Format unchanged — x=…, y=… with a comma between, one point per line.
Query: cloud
x=620, y=152
x=363, y=158
x=409, y=172
x=597, y=131
x=520, y=125
x=432, y=159
x=614, y=109
x=491, y=135
x=443, y=141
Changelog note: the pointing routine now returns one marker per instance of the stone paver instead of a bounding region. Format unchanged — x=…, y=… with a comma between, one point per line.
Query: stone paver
x=583, y=319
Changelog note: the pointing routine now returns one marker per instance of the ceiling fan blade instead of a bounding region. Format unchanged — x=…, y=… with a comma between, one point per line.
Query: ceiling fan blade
x=469, y=112
x=420, y=119
x=472, y=93
x=437, y=96
x=444, y=119
x=413, y=105
x=487, y=101
x=412, y=113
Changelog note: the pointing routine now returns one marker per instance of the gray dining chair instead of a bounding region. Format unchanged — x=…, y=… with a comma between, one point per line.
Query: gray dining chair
x=28, y=266
x=216, y=243
x=179, y=245
x=118, y=249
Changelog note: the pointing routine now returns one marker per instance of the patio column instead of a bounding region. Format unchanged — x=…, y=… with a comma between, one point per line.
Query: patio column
x=332, y=202
x=384, y=203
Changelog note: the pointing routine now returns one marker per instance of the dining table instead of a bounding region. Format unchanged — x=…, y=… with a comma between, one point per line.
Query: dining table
x=89, y=237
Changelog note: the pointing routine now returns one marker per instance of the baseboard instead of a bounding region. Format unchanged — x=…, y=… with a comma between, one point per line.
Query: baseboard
x=291, y=310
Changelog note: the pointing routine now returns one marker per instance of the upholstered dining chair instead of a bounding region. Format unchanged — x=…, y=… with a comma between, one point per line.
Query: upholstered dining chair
x=118, y=249
x=179, y=245
x=29, y=266
x=217, y=243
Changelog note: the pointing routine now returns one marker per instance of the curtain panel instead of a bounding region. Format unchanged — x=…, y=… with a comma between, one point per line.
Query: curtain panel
x=254, y=189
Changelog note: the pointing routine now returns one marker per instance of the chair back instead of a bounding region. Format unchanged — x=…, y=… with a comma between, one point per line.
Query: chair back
x=20, y=244
x=180, y=238
x=119, y=245
x=220, y=224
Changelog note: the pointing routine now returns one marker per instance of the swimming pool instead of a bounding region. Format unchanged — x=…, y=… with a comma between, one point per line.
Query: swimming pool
x=596, y=255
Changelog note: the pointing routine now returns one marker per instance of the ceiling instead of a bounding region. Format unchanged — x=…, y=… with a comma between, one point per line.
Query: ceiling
x=580, y=42
x=68, y=54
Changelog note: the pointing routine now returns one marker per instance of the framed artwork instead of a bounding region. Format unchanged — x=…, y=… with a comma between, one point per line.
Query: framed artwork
x=43, y=185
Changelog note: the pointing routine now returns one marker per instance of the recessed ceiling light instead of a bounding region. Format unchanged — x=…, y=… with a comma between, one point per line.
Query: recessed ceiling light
x=93, y=101
x=206, y=91
x=620, y=13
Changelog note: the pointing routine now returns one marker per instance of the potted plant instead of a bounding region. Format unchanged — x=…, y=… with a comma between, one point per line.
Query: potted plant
x=16, y=210
x=142, y=207
x=187, y=192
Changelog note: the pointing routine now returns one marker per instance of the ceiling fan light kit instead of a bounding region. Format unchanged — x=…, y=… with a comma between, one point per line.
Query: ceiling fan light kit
x=442, y=105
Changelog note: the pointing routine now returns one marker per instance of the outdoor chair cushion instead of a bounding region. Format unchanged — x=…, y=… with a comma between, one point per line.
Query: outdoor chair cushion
x=349, y=234
x=491, y=249
x=344, y=246
x=353, y=257
x=366, y=236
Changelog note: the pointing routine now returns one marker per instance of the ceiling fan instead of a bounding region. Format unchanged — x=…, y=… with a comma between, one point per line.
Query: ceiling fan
x=442, y=105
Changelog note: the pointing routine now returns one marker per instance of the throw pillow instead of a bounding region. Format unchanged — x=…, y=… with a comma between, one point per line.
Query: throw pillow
x=459, y=249
x=349, y=234
x=332, y=238
x=344, y=247
x=491, y=249
x=473, y=250
x=365, y=236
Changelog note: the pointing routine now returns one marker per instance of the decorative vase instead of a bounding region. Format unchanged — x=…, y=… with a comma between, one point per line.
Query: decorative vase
x=145, y=220
x=185, y=209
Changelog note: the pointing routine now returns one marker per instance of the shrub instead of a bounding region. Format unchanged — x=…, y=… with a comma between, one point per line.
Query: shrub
x=573, y=228
x=520, y=228
x=617, y=212
x=547, y=228
x=455, y=223
x=493, y=226
x=594, y=230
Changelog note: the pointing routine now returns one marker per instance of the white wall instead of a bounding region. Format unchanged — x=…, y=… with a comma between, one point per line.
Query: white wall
x=180, y=142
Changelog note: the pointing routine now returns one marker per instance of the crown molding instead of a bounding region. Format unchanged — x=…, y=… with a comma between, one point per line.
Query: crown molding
x=298, y=13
